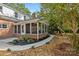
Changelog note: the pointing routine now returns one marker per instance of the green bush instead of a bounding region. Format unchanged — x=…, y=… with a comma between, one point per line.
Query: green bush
x=78, y=31
x=30, y=40
x=68, y=30
x=23, y=37
x=33, y=47
x=26, y=38
x=9, y=50
x=15, y=41
x=47, y=42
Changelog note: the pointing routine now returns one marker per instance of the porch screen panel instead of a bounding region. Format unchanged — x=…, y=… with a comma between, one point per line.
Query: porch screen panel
x=19, y=29
x=27, y=28
x=45, y=28
x=42, y=28
x=34, y=28
x=15, y=29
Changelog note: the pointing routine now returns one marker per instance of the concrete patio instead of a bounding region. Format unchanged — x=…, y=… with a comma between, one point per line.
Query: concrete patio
x=4, y=44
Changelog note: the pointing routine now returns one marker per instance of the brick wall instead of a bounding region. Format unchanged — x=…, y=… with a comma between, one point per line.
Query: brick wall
x=6, y=32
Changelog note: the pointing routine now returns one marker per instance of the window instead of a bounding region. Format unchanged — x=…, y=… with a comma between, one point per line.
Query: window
x=0, y=8
x=3, y=25
x=0, y=26
x=16, y=15
x=24, y=17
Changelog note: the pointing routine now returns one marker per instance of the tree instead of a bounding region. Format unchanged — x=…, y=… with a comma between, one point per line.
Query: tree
x=54, y=14
x=58, y=15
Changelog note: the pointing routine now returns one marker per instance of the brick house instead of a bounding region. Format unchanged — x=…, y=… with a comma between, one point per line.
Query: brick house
x=14, y=23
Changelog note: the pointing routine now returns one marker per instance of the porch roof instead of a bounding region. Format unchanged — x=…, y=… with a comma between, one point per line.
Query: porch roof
x=31, y=21
x=8, y=18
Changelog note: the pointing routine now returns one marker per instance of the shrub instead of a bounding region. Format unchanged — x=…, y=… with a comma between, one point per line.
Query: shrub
x=33, y=47
x=30, y=40
x=78, y=31
x=15, y=41
x=8, y=49
x=47, y=42
x=23, y=37
x=68, y=31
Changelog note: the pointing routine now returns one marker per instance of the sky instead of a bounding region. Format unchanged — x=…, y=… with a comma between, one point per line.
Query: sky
x=33, y=7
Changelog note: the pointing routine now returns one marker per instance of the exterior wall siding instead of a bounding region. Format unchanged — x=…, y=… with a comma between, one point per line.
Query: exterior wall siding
x=8, y=12
x=27, y=17
x=11, y=13
x=20, y=16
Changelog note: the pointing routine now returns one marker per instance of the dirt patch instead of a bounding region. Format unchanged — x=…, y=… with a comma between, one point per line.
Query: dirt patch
x=63, y=46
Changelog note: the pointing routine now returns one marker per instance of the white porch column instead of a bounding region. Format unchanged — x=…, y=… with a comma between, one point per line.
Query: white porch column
x=17, y=28
x=30, y=28
x=41, y=28
x=37, y=31
x=23, y=29
x=44, y=28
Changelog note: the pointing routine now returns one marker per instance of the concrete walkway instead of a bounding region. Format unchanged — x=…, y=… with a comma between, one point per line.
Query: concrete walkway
x=4, y=44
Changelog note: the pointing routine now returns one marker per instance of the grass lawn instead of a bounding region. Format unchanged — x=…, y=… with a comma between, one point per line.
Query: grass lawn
x=60, y=45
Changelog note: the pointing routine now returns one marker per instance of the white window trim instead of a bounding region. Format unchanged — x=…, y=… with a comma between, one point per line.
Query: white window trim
x=2, y=26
